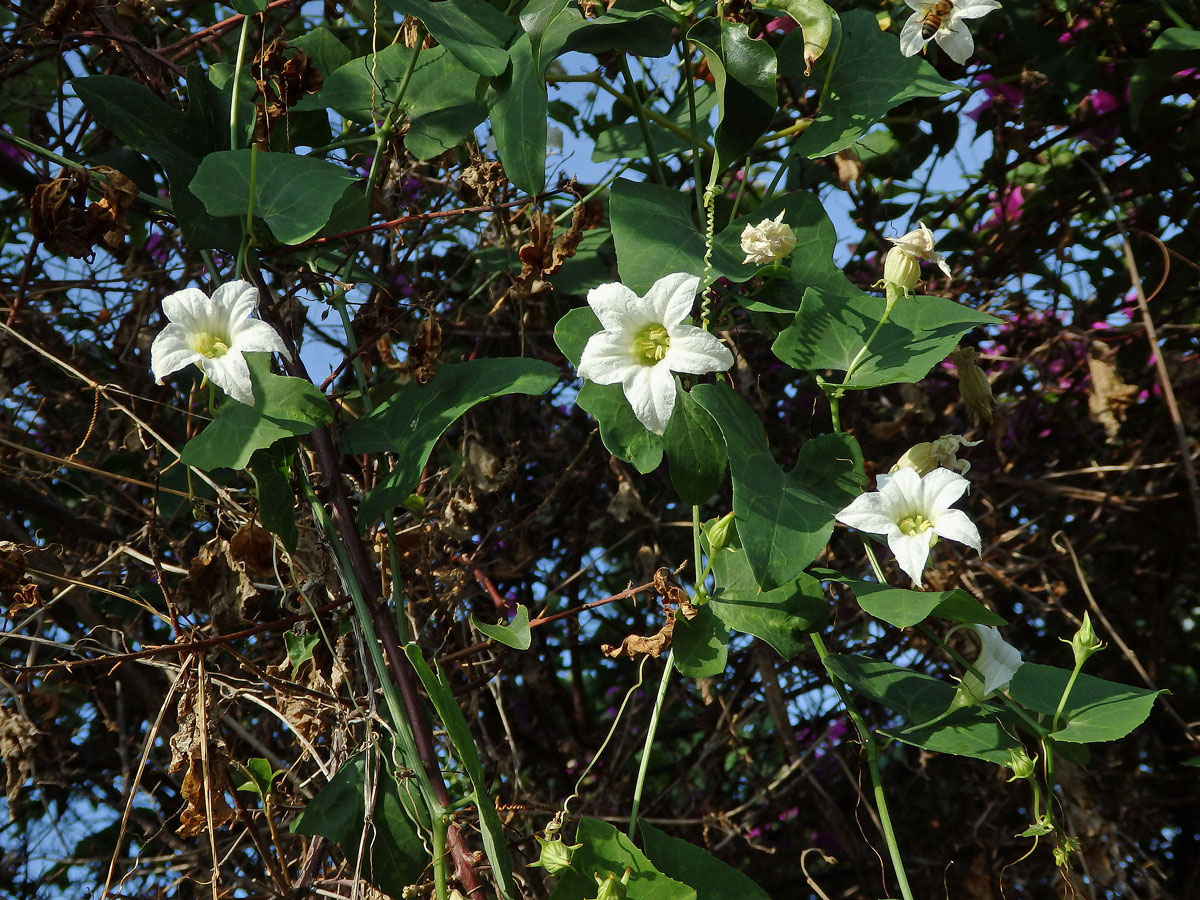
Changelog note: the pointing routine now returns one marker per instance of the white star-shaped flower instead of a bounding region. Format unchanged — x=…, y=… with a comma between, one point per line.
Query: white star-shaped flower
x=945, y=22
x=912, y=512
x=768, y=241
x=998, y=660
x=644, y=340
x=214, y=333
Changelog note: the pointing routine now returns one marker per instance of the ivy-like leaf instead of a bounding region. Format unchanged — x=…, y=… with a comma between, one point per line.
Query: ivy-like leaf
x=515, y=634
x=605, y=850
x=271, y=470
x=518, y=110
x=476, y=33
x=695, y=451
x=1096, y=710
x=782, y=523
x=697, y=868
x=294, y=195
x=904, y=608
x=284, y=407
x=654, y=233
x=701, y=644
x=743, y=71
x=410, y=421
x=393, y=857
x=870, y=76
x=828, y=332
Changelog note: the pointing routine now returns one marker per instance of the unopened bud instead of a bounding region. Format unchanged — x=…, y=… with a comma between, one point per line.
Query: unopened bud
x=555, y=857
x=1021, y=764
x=611, y=888
x=717, y=532
x=973, y=384
x=918, y=457
x=1067, y=848
x=901, y=269
x=1085, y=642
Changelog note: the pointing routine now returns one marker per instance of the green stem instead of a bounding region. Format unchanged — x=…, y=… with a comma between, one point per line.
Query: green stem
x=441, y=825
x=643, y=123
x=649, y=745
x=872, y=751
x=235, y=92
x=384, y=134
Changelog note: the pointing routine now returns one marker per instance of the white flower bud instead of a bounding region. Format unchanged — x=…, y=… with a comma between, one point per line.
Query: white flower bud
x=768, y=241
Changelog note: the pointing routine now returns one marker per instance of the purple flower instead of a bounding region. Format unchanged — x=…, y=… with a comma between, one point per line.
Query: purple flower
x=1001, y=96
x=1097, y=107
x=1006, y=208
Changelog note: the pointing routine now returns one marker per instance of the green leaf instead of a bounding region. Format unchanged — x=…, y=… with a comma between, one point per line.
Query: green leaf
x=536, y=19
x=781, y=617
x=249, y=7
x=410, y=421
x=697, y=868
x=815, y=19
x=695, y=451
x=294, y=195
x=869, y=77
x=830, y=467
x=1181, y=39
x=300, y=647
x=518, y=110
x=1097, y=710
x=260, y=775
x=393, y=856
x=324, y=51
x=829, y=331
x=904, y=609
x=491, y=829
x=573, y=330
x=810, y=266
x=604, y=850
x=272, y=472
x=474, y=31
x=515, y=634
x=623, y=435
x=626, y=141
x=743, y=71
x=701, y=644
x=782, y=524
x=636, y=27
x=925, y=702
x=177, y=140
x=654, y=233
x=284, y=407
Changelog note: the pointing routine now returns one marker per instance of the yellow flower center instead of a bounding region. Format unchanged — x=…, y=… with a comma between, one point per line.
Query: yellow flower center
x=651, y=344
x=210, y=345
x=914, y=524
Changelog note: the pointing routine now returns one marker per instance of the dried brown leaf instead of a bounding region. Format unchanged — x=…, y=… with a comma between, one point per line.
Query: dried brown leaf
x=1109, y=396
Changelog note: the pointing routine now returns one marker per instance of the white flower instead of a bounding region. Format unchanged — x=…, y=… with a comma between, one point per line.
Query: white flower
x=944, y=21
x=644, y=340
x=213, y=333
x=912, y=512
x=768, y=241
x=997, y=662
x=927, y=456
x=902, y=265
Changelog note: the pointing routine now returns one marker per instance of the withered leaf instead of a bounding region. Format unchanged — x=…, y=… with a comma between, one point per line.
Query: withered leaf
x=636, y=645
x=64, y=221
x=1109, y=396
x=217, y=586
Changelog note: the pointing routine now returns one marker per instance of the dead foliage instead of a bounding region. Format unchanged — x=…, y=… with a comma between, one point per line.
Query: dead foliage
x=63, y=219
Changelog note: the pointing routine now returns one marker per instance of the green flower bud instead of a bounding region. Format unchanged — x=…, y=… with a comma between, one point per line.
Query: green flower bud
x=1085, y=642
x=1066, y=848
x=901, y=269
x=555, y=857
x=717, y=531
x=1021, y=764
x=973, y=384
x=611, y=888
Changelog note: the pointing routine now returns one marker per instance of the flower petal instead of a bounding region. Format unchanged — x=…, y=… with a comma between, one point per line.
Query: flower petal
x=255, y=335
x=974, y=9
x=912, y=552
x=608, y=358
x=955, y=525
x=911, y=41
x=672, y=297
x=190, y=308
x=956, y=40
x=650, y=390
x=610, y=302
x=236, y=299
x=941, y=488
x=231, y=374
x=870, y=513
x=695, y=351
x=170, y=352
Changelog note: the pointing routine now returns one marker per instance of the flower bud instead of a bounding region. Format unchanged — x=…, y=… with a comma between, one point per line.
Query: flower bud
x=973, y=384
x=1021, y=764
x=901, y=269
x=1067, y=848
x=717, y=531
x=611, y=888
x=555, y=857
x=1085, y=642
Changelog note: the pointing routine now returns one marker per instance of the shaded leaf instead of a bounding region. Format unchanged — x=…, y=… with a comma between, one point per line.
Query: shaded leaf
x=697, y=868
x=695, y=451
x=1096, y=710
x=475, y=32
x=515, y=634
x=607, y=850
x=701, y=643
